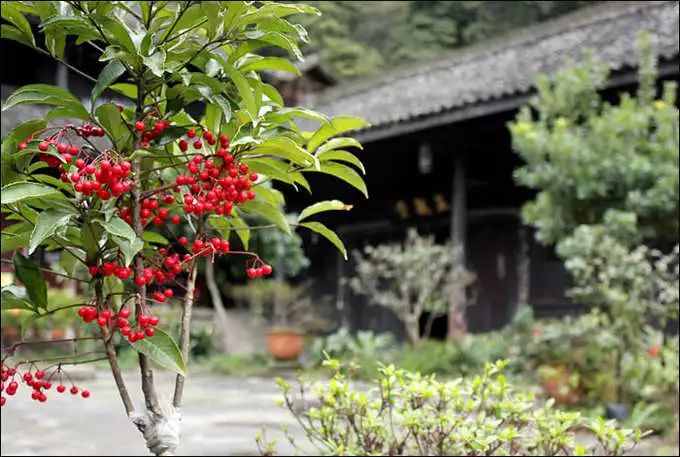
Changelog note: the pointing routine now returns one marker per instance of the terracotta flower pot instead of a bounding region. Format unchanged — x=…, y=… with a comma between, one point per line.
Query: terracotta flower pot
x=285, y=344
x=556, y=385
x=58, y=333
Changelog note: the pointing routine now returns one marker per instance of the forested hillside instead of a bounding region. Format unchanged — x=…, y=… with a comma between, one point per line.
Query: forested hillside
x=362, y=38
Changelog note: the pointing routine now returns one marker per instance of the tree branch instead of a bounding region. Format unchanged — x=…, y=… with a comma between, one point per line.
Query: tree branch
x=185, y=332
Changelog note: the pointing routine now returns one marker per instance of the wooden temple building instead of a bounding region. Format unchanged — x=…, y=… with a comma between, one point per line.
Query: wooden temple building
x=438, y=157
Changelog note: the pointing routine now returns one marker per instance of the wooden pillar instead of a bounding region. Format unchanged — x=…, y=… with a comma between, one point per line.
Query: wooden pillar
x=523, y=267
x=457, y=321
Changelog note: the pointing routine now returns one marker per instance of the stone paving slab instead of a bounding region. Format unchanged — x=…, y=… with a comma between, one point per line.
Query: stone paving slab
x=221, y=417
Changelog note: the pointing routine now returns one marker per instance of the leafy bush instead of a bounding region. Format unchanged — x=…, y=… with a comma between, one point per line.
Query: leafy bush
x=363, y=350
x=411, y=414
x=410, y=278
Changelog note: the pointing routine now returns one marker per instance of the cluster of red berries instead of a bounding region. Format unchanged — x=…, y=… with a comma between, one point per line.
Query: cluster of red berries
x=88, y=130
x=36, y=381
x=110, y=269
x=215, y=185
x=107, y=178
x=154, y=132
x=151, y=209
x=131, y=330
x=263, y=270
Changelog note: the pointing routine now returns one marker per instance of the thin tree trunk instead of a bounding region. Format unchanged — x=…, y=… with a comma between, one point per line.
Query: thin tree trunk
x=221, y=318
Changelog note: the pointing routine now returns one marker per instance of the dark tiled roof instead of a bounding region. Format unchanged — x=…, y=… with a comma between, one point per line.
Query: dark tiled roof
x=506, y=65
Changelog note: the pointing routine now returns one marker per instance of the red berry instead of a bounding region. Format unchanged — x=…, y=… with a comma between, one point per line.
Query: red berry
x=61, y=388
x=43, y=146
x=73, y=150
x=62, y=148
x=85, y=393
x=102, y=321
x=74, y=390
x=153, y=320
x=39, y=374
x=175, y=219
x=266, y=269
x=22, y=146
x=140, y=280
x=150, y=332
x=93, y=270
x=191, y=133
x=198, y=145
x=168, y=293
x=124, y=312
x=183, y=241
x=251, y=273
x=139, y=126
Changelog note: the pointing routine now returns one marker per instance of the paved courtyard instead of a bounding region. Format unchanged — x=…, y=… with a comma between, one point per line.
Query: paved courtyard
x=221, y=417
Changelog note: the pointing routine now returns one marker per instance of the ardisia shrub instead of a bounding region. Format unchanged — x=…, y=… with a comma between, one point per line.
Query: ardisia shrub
x=107, y=185
x=410, y=414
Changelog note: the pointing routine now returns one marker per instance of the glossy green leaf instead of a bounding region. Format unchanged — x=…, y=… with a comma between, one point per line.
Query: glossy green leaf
x=153, y=237
x=328, y=234
x=27, y=272
x=13, y=241
x=47, y=95
x=109, y=117
x=129, y=248
x=163, y=350
x=11, y=14
x=341, y=156
x=19, y=191
x=47, y=223
x=112, y=71
x=244, y=89
x=287, y=149
x=9, y=32
x=10, y=146
x=333, y=127
x=268, y=211
x=118, y=227
x=327, y=205
x=156, y=62
x=337, y=143
x=345, y=173
x=270, y=63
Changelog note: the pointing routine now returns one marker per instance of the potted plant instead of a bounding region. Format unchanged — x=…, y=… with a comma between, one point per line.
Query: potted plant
x=289, y=311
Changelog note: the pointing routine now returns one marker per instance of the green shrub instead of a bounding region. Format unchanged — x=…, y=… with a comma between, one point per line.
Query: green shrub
x=410, y=414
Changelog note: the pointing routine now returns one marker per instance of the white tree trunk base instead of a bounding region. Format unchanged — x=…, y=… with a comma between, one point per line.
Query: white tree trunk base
x=161, y=433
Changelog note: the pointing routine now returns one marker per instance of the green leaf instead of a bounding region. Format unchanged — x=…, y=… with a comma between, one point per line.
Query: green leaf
x=270, y=63
x=156, y=62
x=8, y=32
x=110, y=119
x=27, y=271
x=337, y=143
x=244, y=89
x=47, y=223
x=11, y=241
x=327, y=233
x=276, y=39
x=285, y=148
x=11, y=14
x=128, y=248
x=341, y=156
x=153, y=237
x=334, y=126
x=10, y=146
x=272, y=168
x=268, y=211
x=16, y=303
x=241, y=229
x=289, y=114
x=47, y=95
x=345, y=173
x=327, y=205
x=118, y=227
x=126, y=89
x=19, y=191
x=163, y=350
x=108, y=75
